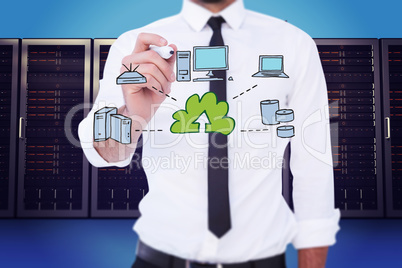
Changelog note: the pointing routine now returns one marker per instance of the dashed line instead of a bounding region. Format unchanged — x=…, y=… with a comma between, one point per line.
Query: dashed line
x=244, y=92
x=256, y=130
x=151, y=130
x=160, y=91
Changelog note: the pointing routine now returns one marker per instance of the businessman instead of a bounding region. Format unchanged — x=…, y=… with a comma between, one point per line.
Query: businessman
x=224, y=208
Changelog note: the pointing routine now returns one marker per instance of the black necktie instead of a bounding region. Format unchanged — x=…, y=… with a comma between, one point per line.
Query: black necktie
x=218, y=191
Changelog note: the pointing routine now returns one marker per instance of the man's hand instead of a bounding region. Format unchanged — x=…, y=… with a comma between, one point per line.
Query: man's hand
x=312, y=257
x=141, y=100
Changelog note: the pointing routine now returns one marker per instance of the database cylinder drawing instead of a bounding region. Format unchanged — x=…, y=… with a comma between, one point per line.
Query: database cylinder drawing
x=284, y=115
x=268, y=110
x=285, y=131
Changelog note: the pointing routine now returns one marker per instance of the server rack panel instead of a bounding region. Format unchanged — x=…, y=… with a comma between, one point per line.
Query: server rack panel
x=352, y=72
x=9, y=68
x=392, y=96
x=101, y=50
x=115, y=192
x=55, y=84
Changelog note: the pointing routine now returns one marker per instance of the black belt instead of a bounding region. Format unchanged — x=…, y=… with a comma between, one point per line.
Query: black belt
x=163, y=260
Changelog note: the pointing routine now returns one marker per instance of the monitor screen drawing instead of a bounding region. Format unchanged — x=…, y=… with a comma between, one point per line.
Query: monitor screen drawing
x=210, y=59
x=271, y=63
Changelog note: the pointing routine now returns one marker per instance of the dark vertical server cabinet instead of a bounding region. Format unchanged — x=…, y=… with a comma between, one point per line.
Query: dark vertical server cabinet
x=55, y=84
x=9, y=67
x=116, y=191
x=352, y=72
x=392, y=96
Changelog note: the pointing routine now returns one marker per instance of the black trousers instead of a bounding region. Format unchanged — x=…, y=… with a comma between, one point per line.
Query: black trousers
x=148, y=257
x=140, y=263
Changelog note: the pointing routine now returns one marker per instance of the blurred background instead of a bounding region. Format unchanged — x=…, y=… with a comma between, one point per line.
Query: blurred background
x=105, y=243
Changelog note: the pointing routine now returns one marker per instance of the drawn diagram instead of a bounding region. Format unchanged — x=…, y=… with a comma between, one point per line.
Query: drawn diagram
x=102, y=123
x=285, y=131
x=215, y=111
x=242, y=93
x=120, y=128
x=284, y=115
x=210, y=58
x=271, y=66
x=272, y=115
x=109, y=124
x=268, y=110
x=183, y=69
x=131, y=77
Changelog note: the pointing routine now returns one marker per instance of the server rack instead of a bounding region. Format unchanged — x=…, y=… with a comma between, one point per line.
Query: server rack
x=9, y=68
x=392, y=96
x=352, y=72
x=55, y=84
x=101, y=51
x=115, y=191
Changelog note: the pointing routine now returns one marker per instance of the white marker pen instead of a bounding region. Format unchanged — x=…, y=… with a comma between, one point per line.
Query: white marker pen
x=165, y=52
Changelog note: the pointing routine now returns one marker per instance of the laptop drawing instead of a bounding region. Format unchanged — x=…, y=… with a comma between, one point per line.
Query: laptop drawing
x=271, y=66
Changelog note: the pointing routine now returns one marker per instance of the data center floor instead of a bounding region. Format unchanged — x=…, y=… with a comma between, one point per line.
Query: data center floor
x=110, y=243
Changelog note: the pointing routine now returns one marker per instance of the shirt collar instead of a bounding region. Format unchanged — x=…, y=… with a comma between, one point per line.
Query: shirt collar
x=197, y=16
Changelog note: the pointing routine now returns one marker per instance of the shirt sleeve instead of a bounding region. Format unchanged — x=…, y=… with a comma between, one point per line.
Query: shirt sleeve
x=311, y=156
x=110, y=95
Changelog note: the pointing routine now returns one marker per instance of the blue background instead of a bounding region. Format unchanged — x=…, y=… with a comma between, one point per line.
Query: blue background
x=111, y=242
x=109, y=19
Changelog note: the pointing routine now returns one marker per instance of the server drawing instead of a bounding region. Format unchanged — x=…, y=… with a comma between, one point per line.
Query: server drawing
x=120, y=128
x=183, y=71
x=109, y=124
x=102, y=123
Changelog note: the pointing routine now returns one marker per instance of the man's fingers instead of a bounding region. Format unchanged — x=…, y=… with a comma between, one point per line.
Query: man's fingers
x=151, y=57
x=144, y=40
x=151, y=69
x=172, y=59
x=154, y=86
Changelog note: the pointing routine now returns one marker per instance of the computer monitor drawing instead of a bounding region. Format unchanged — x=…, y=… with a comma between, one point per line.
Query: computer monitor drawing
x=210, y=59
x=271, y=66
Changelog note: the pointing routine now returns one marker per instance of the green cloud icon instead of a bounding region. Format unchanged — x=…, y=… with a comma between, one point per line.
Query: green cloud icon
x=215, y=111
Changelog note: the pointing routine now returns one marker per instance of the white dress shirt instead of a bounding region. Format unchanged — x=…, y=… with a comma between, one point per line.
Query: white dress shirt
x=174, y=212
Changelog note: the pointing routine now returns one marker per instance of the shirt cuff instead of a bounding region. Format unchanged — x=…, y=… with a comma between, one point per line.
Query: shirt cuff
x=317, y=232
x=85, y=133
